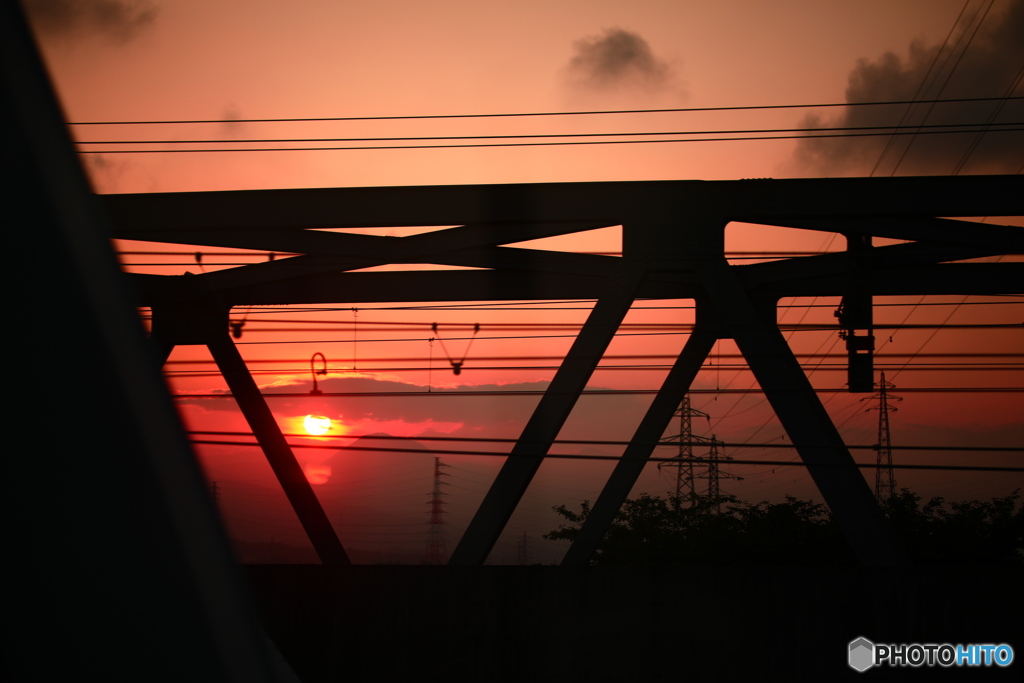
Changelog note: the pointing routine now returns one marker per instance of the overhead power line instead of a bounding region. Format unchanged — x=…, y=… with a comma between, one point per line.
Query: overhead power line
x=597, y=392
x=562, y=456
x=599, y=368
x=546, y=113
x=887, y=132
x=433, y=138
x=648, y=356
x=533, y=337
x=594, y=442
x=949, y=74
x=923, y=83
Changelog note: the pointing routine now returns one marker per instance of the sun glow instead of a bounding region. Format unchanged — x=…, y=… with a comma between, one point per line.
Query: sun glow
x=317, y=425
x=317, y=474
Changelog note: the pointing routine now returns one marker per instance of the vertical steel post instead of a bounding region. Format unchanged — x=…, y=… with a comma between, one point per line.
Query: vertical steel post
x=856, y=317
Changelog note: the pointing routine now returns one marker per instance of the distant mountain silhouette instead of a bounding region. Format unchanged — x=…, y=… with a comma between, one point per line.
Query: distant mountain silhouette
x=376, y=455
x=376, y=497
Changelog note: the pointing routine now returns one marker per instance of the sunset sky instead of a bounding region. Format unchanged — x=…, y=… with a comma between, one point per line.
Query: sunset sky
x=229, y=61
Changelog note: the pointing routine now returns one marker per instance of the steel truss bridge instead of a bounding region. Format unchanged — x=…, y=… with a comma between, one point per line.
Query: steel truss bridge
x=118, y=556
x=672, y=248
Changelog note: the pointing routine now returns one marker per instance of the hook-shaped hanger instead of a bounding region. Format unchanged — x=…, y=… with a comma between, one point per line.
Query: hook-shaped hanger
x=322, y=371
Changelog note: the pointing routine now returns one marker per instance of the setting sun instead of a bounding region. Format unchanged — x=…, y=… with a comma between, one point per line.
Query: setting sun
x=317, y=425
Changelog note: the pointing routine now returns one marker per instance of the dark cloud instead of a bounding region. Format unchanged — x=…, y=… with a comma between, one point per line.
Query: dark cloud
x=116, y=21
x=989, y=67
x=617, y=61
x=105, y=172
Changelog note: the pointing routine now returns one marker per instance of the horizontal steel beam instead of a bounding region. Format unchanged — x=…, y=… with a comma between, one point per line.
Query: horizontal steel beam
x=613, y=203
x=935, y=279
x=487, y=285
x=889, y=257
x=1004, y=238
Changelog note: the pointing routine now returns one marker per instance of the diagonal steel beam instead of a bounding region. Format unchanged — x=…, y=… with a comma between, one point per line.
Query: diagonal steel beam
x=640, y=447
x=161, y=348
x=279, y=454
x=516, y=258
x=358, y=257
x=296, y=241
x=484, y=257
x=804, y=418
x=547, y=420
x=277, y=273
x=491, y=234
x=376, y=247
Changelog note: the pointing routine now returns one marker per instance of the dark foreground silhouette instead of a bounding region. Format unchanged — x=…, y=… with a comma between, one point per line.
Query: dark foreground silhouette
x=652, y=530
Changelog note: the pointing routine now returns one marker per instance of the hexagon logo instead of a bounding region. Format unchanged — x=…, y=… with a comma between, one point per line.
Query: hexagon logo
x=862, y=654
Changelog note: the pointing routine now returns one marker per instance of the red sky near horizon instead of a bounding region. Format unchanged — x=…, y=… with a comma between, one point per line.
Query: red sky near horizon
x=235, y=60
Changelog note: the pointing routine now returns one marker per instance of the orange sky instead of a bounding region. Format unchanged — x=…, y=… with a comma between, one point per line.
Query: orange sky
x=259, y=59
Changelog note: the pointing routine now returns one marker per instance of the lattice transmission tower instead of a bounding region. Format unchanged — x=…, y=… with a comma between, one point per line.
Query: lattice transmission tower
x=885, y=479
x=437, y=549
x=690, y=468
x=523, y=550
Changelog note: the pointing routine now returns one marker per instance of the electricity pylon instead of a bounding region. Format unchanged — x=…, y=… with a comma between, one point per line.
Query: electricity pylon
x=688, y=467
x=437, y=549
x=885, y=479
x=523, y=550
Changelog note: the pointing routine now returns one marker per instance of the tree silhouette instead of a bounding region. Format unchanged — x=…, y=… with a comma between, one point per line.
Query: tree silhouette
x=968, y=532
x=655, y=530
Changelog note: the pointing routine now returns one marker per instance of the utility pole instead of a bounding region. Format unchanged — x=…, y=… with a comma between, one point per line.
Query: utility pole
x=885, y=479
x=437, y=549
